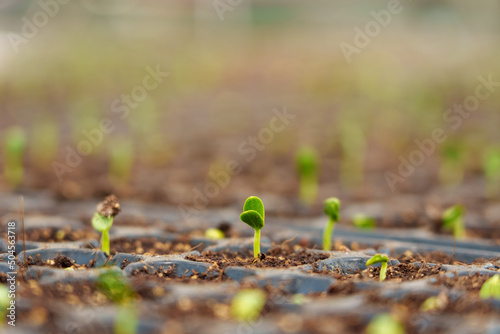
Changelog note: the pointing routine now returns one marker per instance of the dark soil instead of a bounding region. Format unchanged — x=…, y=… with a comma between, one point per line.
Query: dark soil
x=277, y=257
x=50, y=234
x=152, y=246
x=399, y=273
x=471, y=284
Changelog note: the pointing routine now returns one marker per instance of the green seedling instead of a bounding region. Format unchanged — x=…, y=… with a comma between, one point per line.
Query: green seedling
x=491, y=288
x=115, y=286
x=385, y=323
x=363, y=221
x=383, y=260
x=491, y=169
x=253, y=215
x=247, y=305
x=214, y=234
x=13, y=148
x=453, y=220
x=103, y=219
x=332, y=210
x=4, y=301
x=307, y=167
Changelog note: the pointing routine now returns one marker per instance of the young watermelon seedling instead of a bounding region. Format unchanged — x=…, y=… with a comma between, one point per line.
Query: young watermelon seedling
x=307, y=168
x=253, y=215
x=453, y=220
x=382, y=259
x=13, y=150
x=103, y=219
x=332, y=209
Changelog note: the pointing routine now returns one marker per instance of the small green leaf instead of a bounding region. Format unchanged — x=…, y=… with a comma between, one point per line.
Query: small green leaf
x=332, y=208
x=101, y=223
x=451, y=215
x=253, y=219
x=378, y=258
x=254, y=203
x=247, y=305
x=307, y=161
x=362, y=221
x=491, y=288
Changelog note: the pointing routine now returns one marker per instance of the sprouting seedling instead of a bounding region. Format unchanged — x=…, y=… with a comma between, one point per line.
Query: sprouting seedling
x=491, y=288
x=14, y=147
x=103, y=219
x=383, y=260
x=114, y=285
x=363, y=221
x=214, y=233
x=253, y=215
x=453, y=220
x=385, y=323
x=247, y=305
x=332, y=209
x=307, y=167
x=491, y=168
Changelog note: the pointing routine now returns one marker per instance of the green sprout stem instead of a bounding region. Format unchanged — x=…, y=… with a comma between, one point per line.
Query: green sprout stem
x=327, y=235
x=256, y=244
x=105, y=242
x=383, y=271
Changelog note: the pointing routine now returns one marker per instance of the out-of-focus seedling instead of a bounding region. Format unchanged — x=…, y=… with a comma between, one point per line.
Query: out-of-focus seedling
x=382, y=259
x=307, y=161
x=247, y=305
x=332, y=210
x=385, y=323
x=491, y=288
x=4, y=302
x=13, y=147
x=363, y=221
x=434, y=303
x=253, y=215
x=121, y=160
x=453, y=220
x=115, y=286
x=103, y=219
x=491, y=169
x=214, y=233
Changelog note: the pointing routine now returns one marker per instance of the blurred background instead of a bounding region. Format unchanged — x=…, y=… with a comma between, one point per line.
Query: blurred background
x=68, y=66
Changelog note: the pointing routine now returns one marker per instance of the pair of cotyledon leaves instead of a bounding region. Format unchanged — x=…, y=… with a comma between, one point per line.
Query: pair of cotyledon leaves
x=253, y=213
